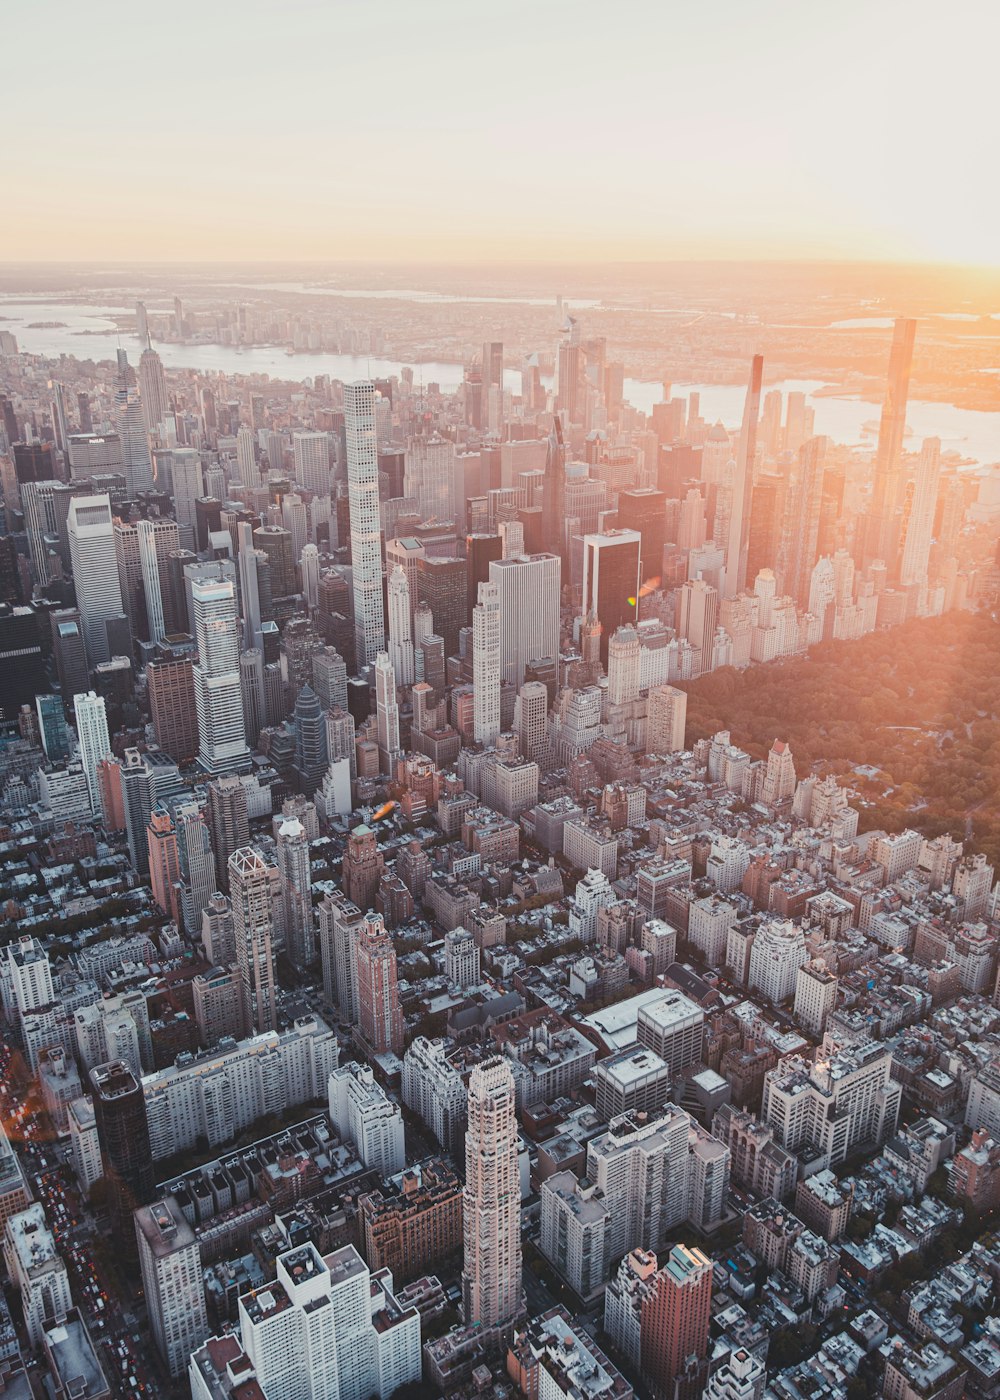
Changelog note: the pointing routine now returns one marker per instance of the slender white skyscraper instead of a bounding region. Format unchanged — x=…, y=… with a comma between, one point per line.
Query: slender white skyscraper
x=528, y=591
x=146, y=532
x=739, y=519
x=217, y=693
x=366, y=546
x=296, y=891
x=386, y=712
x=919, y=522
x=253, y=925
x=400, y=627
x=95, y=571
x=246, y=458
x=491, y=1278
x=188, y=484
x=249, y=584
x=309, y=562
x=486, y=664
x=132, y=432
x=92, y=736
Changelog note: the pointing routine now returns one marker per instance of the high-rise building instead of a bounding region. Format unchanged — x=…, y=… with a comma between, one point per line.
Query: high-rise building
x=222, y=741
x=699, y=616
x=380, y=1017
x=197, y=863
x=229, y=819
x=442, y=583
x=611, y=581
x=164, y=866
x=386, y=713
x=918, y=516
x=528, y=592
x=491, y=1278
x=366, y=547
x=801, y=529
x=93, y=739
x=295, y=883
x=401, y=627
x=37, y=1270
x=246, y=456
x=674, y=1325
x=172, y=1284
x=880, y=534
x=486, y=664
x=95, y=575
x=250, y=888
x=152, y=390
x=172, y=703
x=311, y=451
x=742, y=499
x=146, y=532
x=666, y=719
x=777, y=954
x=123, y=1132
x=132, y=432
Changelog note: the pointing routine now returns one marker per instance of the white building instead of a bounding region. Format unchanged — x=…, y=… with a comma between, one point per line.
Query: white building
x=434, y=1090
x=222, y=743
x=641, y=1166
x=386, y=713
x=592, y=894
x=93, y=739
x=666, y=719
x=172, y=1283
x=528, y=589
x=673, y=1026
x=362, y=1112
x=366, y=544
x=311, y=451
x=486, y=665
x=815, y=996
x=85, y=1145
x=836, y=1105
x=574, y=1224
x=778, y=951
x=37, y=1270
x=461, y=958
x=95, y=571
x=491, y=1277
x=401, y=627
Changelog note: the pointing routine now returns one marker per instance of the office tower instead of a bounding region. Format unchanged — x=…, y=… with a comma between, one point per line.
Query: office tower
x=918, y=521
x=295, y=520
x=246, y=456
x=229, y=819
x=152, y=391
x=801, y=527
x=429, y=477
x=480, y=551
x=698, y=618
x=366, y=548
x=311, y=452
x=554, y=492
x=645, y=509
x=172, y=705
x=400, y=627
x=123, y=1132
x=880, y=541
x=95, y=575
x=491, y=1277
x=141, y=323
x=386, y=713
x=569, y=384
x=249, y=583
x=739, y=519
x=666, y=719
x=132, y=432
x=93, y=739
x=52, y=731
x=486, y=665
x=197, y=864
x=172, y=1283
x=531, y=721
x=674, y=1325
x=442, y=583
x=406, y=554
x=164, y=867
x=528, y=591
x=277, y=543
x=250, y=896
x=309, y=566
x=218, y=699
x=188, y=484
x=37, y=1270
x=295, y=883
x=83, y=412
x=339, y=922
x=624, y=664
x=380, y=1017
x=492, y=400
x=309, y=727
x=330, y=678
x=673, y=1027
x=611, y=581
x=151, y=580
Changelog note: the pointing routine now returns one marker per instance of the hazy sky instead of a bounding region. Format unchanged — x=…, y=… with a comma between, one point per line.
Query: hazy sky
x=547, y=130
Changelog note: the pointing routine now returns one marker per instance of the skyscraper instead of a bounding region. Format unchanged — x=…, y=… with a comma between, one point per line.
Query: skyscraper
x=386, y=713
x=123, y=1132
x=152, y=390
x=611, y=581
x=93, y=739
x=95, y=574
x=172, y=1284
x=151, y=579
x=222, y=741
x=486, y=665
x=401, y=627
x=366, y=548
x=132, y=432
x=380, y=1017
x=880, y=541
x=172, y=705
x=312, y=462
x=528, y=595
x=491, y=1278
x=918, y=518
x=253, y=921
x=296, y=891
x=674, y=1325
x=554, y=492
x=246, y=457
x=164, y=867
x=699, y=615
x=739, y=520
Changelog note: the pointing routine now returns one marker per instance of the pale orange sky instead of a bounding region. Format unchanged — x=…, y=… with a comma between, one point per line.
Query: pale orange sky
x=524, y=131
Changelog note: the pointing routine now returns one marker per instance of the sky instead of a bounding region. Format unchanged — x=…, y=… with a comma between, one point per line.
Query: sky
x=555, y=130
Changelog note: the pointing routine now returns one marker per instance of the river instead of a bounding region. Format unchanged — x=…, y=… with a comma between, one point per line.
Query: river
x=973, y=433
